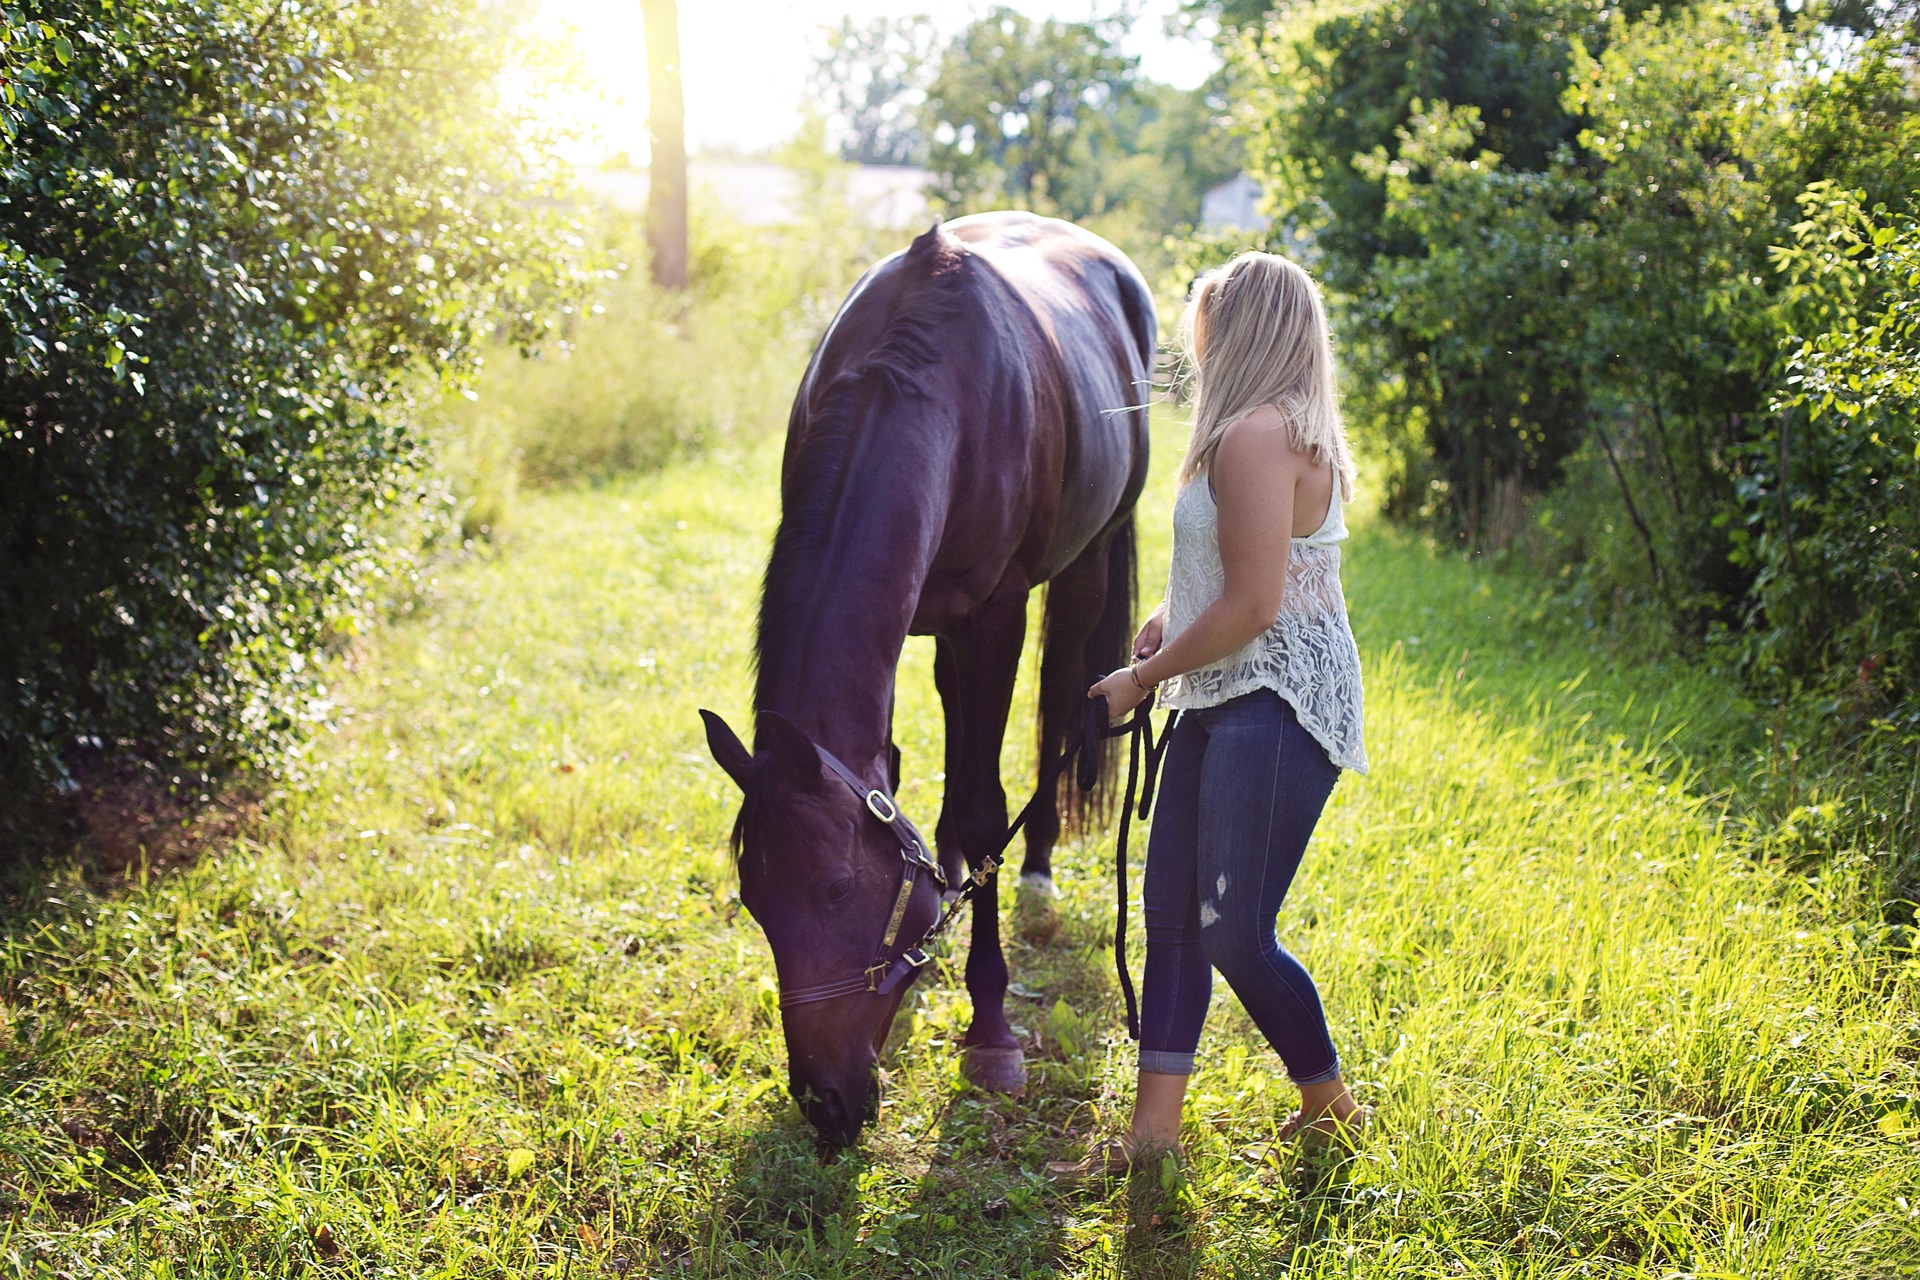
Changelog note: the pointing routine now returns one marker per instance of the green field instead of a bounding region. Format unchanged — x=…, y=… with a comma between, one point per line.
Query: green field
x=473, y=996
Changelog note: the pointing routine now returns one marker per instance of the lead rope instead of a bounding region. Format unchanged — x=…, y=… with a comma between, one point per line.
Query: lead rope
x=1142, y=743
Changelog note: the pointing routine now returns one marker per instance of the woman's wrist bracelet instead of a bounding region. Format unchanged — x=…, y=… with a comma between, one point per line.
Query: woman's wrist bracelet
x=1133, y=669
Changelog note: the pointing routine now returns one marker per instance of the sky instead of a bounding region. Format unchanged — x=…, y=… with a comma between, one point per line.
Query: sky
x=746, y=62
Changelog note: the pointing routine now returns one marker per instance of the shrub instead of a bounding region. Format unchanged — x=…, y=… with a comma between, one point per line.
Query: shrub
x=1832, y=493
x=234, y=237
x=1569, y=273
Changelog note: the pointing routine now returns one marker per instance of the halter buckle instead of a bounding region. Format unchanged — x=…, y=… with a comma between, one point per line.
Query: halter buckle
x=881, y=807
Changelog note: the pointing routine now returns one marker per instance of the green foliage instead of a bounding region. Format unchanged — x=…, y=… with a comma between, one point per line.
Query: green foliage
x=1021, y=108
x=1144, y=191
x=1231, y=16
x=1410, y=148
x=1576, y=319
x=233, y=237
x=477, y=999
x=1832, y=494
x=1486, y=370
x=873, y=79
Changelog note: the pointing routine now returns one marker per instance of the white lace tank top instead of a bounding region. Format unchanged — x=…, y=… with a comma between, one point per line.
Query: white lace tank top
x=1307, y=656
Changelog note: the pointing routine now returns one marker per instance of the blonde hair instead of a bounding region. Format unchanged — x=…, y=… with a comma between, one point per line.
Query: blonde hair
x=1255, y=333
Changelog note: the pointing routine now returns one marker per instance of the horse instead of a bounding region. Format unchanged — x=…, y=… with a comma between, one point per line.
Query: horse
x=972, y=425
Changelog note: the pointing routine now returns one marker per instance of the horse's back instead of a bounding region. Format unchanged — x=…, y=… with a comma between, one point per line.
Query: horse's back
x=1082, y=292
x=1032, y=339
x=1098, y=316
x=1065, y=273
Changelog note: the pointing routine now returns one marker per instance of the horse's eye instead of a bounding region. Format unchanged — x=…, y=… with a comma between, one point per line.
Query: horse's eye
x=839, y=889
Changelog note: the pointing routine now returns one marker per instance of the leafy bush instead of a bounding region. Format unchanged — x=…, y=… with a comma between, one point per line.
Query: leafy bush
x=233, y=237
x=1832, y=492
x=1448, y=318
x=1619, y=293
x=1565, y=288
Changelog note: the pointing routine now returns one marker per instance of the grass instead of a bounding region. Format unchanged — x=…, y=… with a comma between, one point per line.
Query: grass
x=474, y=997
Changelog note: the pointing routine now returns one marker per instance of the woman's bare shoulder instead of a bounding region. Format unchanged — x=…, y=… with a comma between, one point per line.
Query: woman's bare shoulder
x=1260, y=420
x=1264, y=435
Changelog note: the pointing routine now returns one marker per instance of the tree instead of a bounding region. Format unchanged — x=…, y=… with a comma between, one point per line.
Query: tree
x=1231, y=16
x=873, y=80
x=1348, y=103
x=1831, y=510
x=1655, y=295
x=667, y=129
x=1020, y=106
x=1190, y=135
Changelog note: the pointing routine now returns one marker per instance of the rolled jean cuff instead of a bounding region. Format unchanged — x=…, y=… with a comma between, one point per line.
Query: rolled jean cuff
x=1331, y=1073
x=1164, y=1062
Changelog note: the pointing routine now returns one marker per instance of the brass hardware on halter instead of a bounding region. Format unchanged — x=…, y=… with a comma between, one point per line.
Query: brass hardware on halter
x=886, y=975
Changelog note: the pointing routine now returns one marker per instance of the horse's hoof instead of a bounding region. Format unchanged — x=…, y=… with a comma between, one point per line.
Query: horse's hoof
x=995, y=1068
x=1038, y=884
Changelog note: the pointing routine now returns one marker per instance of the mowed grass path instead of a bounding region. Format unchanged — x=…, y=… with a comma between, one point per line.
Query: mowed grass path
x=476, y=998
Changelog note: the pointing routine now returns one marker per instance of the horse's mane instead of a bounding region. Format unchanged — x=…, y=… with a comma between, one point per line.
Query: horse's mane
x=826, y=428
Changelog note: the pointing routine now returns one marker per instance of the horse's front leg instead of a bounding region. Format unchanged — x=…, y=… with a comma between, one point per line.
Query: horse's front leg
x=975, y=672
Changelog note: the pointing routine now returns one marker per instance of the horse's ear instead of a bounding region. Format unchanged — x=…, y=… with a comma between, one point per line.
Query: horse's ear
x=728, y=751
x=793, y=752
x=929, y=243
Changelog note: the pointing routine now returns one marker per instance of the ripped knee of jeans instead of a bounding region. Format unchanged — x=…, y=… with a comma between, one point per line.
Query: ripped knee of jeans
x=1209, y=910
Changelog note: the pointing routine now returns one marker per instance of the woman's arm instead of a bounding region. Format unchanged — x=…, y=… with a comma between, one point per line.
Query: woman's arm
x=1255, y=473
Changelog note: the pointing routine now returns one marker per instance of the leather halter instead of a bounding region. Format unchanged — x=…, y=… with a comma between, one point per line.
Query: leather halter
x=887, y=972
x=883, y=976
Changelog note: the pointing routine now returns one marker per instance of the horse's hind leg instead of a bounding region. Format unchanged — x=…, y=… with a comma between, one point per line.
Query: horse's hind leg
x=974, y=670
x=1076, y=601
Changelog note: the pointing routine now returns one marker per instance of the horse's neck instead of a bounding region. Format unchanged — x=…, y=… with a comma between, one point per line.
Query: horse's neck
x=827, y=661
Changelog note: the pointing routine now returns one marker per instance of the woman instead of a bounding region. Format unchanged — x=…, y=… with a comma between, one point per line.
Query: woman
x=1252, y=646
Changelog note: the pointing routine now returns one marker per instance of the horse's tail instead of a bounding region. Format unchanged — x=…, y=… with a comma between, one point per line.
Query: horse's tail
x=1104, y=649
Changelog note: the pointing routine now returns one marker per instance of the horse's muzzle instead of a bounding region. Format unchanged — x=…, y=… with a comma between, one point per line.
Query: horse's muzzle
x=838, y=1114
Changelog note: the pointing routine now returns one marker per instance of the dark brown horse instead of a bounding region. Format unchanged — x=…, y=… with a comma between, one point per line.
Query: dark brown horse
x=971, y=426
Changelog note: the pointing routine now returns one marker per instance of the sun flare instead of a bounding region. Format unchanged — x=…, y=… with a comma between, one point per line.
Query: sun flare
x=746, y=65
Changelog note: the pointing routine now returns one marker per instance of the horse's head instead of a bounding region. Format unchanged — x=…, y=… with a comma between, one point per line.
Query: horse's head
x=822, y=870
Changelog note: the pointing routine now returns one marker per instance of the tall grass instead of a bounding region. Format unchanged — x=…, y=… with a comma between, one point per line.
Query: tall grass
x=478, y=999
x=645, y=375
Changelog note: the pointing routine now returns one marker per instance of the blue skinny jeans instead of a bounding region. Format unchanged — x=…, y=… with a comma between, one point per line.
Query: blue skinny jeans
x=1240, y=790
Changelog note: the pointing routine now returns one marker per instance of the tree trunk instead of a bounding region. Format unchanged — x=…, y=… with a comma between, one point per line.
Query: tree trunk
x=666, y=123
x=1626, y=496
